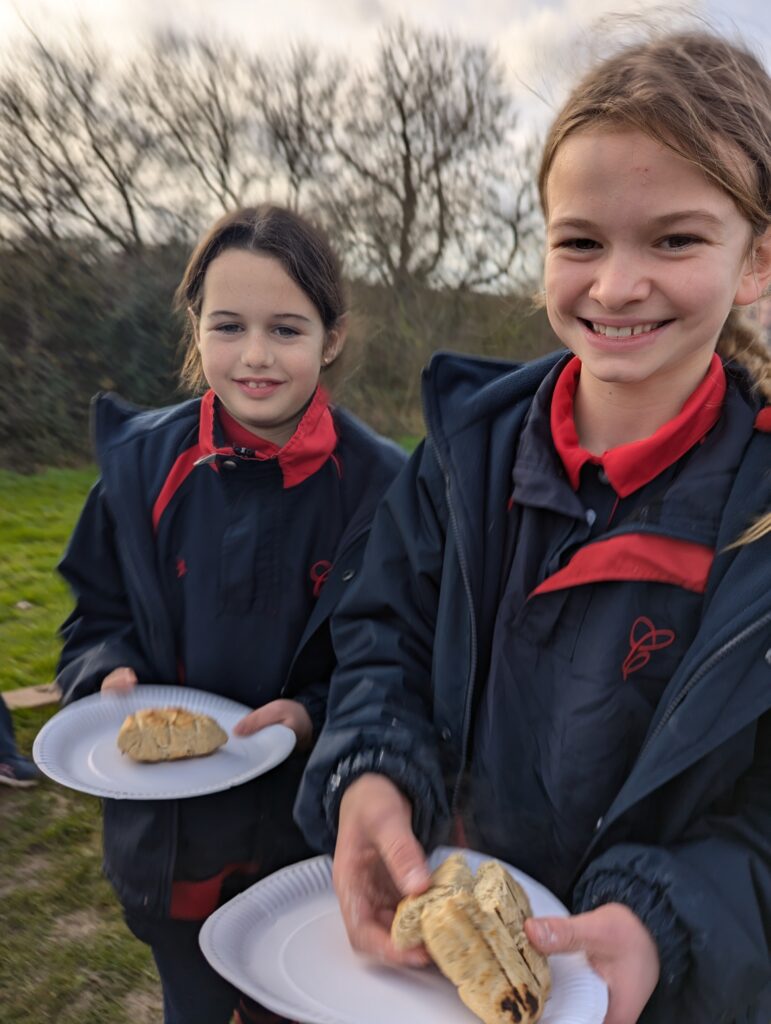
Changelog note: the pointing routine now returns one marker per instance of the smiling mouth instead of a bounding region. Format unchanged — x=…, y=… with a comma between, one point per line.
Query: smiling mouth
x=256, y=385
x=606, y=331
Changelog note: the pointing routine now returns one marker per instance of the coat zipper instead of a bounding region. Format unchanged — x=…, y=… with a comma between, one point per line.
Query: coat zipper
x=705, y=667
x=473, y=662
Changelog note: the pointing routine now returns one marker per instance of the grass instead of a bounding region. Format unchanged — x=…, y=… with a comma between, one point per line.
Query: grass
x=37, y=514
x=65, y=954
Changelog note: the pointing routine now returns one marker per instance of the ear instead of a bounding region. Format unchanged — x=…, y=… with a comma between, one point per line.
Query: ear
x=756, y=275
x=334, y=342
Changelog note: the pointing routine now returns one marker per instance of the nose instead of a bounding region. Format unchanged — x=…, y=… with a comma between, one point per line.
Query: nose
x=620, y=279
x=257, y=350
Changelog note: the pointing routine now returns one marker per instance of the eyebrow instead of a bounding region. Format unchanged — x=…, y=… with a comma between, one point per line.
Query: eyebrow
x=274, y=316
x=663, y=221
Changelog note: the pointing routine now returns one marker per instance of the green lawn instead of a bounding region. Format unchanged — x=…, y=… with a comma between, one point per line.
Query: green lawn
x=65, y=955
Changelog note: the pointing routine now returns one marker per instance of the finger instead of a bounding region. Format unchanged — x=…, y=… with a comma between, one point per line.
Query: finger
x=375, y=940
x=274, y=713
x=120, y=679
x=250, y=723
x=556, y=934
x=404, y=858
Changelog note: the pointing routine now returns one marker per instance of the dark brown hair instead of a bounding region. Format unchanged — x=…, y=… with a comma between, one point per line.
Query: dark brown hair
x=302, y=249
x=708, y=100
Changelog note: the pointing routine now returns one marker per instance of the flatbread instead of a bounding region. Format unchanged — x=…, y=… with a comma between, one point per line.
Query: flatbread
x=169, y=734
x=500, y=897
x=473, y=928
x=452, y=875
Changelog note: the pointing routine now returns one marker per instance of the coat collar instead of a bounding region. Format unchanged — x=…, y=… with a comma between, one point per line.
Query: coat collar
x=306, y=451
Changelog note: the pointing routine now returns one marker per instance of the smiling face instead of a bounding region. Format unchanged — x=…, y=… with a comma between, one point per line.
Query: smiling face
x=645, y=258
x=262, y=342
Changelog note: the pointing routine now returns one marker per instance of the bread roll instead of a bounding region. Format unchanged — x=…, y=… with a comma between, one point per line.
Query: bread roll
x=169, y=734
x=473, y=928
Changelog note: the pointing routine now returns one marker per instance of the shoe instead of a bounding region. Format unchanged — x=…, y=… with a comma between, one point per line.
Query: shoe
x=19, y=772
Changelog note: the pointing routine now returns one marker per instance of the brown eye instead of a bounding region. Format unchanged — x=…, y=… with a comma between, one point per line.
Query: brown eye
x=675, y=242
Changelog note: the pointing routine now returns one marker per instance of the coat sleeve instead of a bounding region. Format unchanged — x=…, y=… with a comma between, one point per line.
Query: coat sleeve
x=99, y=634
x=706, y=900
x=380, y=715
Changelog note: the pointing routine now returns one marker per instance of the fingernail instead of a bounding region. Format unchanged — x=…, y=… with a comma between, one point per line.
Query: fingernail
x=544, y=935
x=415, y=878
x=417, y=959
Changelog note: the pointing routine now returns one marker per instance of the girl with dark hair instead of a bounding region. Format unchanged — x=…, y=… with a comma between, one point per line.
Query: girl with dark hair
x=211, y=552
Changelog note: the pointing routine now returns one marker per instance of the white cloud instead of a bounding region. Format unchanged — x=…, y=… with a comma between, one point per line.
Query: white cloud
x=527, y=33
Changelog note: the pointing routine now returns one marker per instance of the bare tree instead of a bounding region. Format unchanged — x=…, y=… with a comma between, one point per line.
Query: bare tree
x=71, y=156
x=297, y=97
x=194, y=96
x=425, y=190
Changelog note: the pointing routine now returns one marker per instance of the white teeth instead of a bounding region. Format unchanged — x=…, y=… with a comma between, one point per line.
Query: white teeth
x=254, y=384
x=623, y=332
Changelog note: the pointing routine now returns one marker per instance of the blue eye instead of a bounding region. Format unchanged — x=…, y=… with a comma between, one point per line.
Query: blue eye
x=284, y=331
x=228, y=328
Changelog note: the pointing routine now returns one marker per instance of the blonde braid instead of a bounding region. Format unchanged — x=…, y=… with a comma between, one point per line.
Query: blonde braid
x=740, y=342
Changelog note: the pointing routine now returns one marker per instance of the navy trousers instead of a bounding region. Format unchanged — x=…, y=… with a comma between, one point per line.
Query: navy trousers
x=193, y=992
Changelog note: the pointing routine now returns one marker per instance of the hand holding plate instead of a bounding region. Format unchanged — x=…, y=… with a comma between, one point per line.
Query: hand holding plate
x=617, y=945
x=279, y=712
x=120, y=679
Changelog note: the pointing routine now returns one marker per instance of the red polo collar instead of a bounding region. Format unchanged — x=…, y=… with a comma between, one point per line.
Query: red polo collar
x=306, y=451
x=631, y=466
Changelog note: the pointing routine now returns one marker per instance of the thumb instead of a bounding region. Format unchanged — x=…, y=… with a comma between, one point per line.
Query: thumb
x=256, y=720
x=557, y=934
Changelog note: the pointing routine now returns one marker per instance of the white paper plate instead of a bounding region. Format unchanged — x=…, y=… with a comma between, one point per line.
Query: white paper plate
x=78, y=747
x=283, y=943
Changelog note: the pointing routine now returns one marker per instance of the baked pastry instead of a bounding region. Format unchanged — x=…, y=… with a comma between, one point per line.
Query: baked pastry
x=168, y=734
x=473, y=928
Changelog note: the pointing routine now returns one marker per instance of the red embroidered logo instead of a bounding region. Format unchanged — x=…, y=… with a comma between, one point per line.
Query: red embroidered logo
x=644, y=638
x=319, y=573
x=181, y=568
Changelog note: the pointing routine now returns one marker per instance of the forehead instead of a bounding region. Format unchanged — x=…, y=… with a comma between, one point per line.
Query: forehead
x=617, y=171
x=237, y=276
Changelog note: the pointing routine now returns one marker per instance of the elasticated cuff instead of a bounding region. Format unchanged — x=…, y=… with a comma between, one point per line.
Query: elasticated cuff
x=395, y=767
x=651, y=904
x=316, y=706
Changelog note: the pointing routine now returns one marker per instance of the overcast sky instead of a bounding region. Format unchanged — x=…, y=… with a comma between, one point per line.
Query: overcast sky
x=533, y=38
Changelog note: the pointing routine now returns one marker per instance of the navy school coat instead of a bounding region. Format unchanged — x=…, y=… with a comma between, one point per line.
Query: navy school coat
x=689, y=832
x=122, y=618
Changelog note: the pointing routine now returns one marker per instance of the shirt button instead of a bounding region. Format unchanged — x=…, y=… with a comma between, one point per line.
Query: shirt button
x=768, y=656
x=598, y=824
x=602, y=476
x=591, y=516
x=229, y=464
x=348, y=575
x=446, y=734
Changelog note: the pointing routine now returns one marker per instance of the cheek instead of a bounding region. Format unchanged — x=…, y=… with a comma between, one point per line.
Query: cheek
x=214, y=358
x=305, y=362
x=560, y=286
